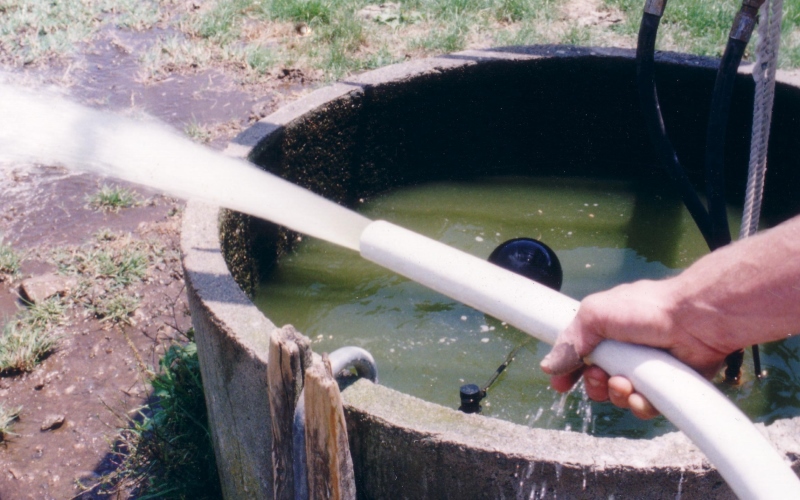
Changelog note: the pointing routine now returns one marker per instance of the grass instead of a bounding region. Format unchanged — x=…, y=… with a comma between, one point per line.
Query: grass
x=137, y=15
x=166, y=450
x=112, y=198
x=10, y=261
x=198, y=132
x=692, y=26
x=29, y=337
x=106, y=271
x=7, y=418
x=116, y=308
x=45, y=314
x=34, y=30
x=257, y=36
x=252, y=37
x=37, y=31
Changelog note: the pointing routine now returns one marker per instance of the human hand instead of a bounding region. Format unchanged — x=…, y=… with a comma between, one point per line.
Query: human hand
x=650, y=313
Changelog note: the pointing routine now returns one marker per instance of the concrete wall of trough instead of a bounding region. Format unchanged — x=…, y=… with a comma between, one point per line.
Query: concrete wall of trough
x=403, y=447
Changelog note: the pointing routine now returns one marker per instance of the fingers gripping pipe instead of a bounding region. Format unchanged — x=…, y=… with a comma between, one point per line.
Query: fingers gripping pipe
x=341, y=359
x=678, y=392
x=713, y=222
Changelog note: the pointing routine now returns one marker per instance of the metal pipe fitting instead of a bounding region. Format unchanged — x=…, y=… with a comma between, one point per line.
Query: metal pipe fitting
x=746, y=19
x=356, y=358
x=743, y=25
x=655, y=7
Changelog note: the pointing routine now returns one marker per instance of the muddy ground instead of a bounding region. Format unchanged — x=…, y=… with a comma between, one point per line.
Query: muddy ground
x=97, y=376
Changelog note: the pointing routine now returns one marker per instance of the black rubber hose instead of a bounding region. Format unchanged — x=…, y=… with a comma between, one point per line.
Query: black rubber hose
x=712, y=223
x=715, y=166
x=651, y=110
x=715, y=141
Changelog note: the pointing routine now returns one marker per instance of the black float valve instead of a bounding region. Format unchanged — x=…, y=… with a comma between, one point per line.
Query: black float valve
x=529, y=258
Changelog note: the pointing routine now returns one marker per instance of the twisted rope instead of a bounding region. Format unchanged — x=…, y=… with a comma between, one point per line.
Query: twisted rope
x=769, y=37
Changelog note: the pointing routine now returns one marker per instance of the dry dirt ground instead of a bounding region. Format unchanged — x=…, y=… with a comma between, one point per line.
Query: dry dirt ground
x=98, y=374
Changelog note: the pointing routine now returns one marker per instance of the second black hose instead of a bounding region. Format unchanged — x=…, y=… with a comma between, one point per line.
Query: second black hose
x=648, y=97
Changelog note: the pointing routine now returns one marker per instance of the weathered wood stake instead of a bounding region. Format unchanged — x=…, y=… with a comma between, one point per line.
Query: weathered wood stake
x=289, y=356
x=330, y=467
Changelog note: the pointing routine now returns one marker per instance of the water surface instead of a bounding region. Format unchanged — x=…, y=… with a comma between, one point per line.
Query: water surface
x=427, y=345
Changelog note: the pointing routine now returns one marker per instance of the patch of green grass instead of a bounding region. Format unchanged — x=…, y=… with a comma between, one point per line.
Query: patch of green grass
x=789, y=56
x=31, y=31
x=527, y=34
x=29, y=338
x=260, y=59
x=187, y=53
x=451, y=39
x=114, y=308
x=308, y=11
x=106, y=270
x=694, y=26
x=137, y=15
x=174, y=51
x=198, y=132
x=166, y=451
x=789, y=53
x=22, y=347
x=45, y=314
x=342, y=38
x=223, y=20
x=116, y=266
x=574, y=35
x=10, y=261
x=383, y=57
x=701, y=27
x=112, y=198
x=7, y=418
x=512, y=11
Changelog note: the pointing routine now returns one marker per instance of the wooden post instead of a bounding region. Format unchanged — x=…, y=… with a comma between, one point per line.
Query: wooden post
x=330, y=467
x=289, y=356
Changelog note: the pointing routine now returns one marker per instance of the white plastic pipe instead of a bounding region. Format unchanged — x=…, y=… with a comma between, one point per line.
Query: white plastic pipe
x=741, y=454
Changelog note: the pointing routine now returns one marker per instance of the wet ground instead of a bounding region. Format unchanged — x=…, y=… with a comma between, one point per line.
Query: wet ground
x=95, y=379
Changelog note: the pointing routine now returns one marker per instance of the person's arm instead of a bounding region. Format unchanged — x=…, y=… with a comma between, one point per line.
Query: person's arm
x=743, y=294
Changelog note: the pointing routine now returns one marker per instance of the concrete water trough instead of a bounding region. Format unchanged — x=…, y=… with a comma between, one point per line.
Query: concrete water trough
x=537, y=111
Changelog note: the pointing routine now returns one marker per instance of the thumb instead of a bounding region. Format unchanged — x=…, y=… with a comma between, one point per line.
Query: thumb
x=562, y=359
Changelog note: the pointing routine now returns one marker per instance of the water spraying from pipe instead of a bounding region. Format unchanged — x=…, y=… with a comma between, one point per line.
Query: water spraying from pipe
x=45, y=129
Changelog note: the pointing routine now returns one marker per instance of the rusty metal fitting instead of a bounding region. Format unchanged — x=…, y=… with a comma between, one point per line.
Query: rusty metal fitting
x=743, y=26
x=656, y=7
x=754, y=4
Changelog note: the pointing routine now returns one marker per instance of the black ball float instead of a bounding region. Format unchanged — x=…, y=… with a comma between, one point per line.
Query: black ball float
x=530, y=258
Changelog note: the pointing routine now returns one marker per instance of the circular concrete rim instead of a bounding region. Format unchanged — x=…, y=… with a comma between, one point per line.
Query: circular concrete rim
x=221, y=300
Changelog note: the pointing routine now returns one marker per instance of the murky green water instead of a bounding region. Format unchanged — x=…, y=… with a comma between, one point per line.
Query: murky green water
x=427, y=345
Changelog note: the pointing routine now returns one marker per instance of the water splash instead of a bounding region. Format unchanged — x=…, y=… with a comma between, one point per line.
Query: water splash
x=585, y=410
x=535, y=417
x=41, y=127
x=559, y=405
